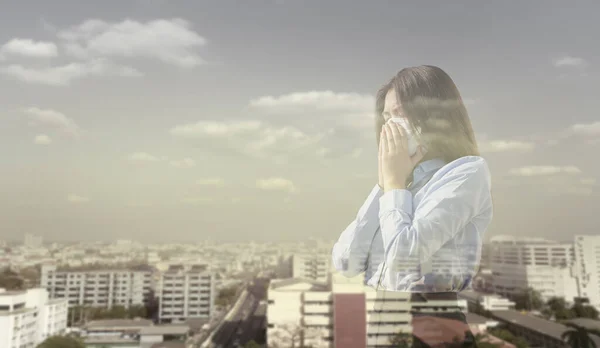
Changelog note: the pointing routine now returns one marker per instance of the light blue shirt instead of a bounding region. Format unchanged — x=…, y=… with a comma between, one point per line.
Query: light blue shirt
x=426, y=238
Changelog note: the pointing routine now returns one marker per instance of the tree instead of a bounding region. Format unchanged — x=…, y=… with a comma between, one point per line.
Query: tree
x=582, y=309
x=557, y=309
x=529, y=299
x=11, y=280
x=252, y=344
x=482, y=342
x=293, y=336
x=61, y=342
x=507, y=336
x=577, y=337
x=402, y=340
x=227, y=296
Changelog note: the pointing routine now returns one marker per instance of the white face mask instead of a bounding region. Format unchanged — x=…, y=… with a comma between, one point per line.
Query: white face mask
x=410, y=137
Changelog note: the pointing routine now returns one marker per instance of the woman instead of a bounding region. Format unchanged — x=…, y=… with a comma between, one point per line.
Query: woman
x=421, y=228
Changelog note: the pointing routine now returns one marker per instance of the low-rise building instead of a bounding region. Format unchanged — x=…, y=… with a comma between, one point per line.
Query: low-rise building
x=28, y=317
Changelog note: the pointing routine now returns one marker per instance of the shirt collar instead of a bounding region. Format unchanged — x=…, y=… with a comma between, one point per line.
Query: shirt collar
x=426, y=167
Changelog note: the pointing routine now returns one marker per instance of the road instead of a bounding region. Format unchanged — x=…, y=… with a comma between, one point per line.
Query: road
x=240, y=328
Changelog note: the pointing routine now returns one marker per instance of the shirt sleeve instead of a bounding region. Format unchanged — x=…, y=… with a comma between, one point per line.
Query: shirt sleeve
x=446, y=208
x=349, y=254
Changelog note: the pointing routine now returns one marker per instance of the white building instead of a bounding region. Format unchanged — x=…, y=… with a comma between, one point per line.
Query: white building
x=29, y=317
x=315, y=266
x=488, y=302
x=186, y=291
x=318, y=312
x=587, y=266
x=33, y=241
x=98, y=287
x=544, y=265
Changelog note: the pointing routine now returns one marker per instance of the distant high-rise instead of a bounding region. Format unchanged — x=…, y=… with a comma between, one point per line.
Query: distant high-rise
x=33, y=241
x=186, y=291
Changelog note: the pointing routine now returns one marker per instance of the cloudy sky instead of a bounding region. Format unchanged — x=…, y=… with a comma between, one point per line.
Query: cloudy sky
x=184, y=120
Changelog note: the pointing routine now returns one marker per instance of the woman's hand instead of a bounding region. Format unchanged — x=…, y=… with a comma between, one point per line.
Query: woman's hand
x=394, y=162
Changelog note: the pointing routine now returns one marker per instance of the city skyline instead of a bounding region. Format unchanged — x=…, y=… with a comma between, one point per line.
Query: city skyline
x=157, y=121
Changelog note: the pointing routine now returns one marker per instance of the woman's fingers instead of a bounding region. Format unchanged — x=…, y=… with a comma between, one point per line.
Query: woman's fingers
x=389, y=137
x=384, y=141
x=397, y=134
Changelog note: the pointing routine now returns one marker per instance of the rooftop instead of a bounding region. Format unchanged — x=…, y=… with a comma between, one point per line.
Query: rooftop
x=165, y=330
x=549, y=328
x=170, y=344
x=473, y=318
x=118, y=324
x=101, y=267
x=587, y=323
x=277, y=284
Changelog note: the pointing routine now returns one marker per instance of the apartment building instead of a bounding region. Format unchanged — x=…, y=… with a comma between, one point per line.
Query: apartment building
x=567, y=270
x=547, y=266
x=186, y=291
x=29, y=317
x=315, y=266
x=328, y=314
x=98, y=287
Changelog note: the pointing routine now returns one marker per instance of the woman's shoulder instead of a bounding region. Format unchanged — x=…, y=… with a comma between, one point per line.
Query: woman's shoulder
x=474, y=168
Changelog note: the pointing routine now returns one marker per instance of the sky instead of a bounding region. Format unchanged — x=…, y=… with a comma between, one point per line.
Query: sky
x=230, y=120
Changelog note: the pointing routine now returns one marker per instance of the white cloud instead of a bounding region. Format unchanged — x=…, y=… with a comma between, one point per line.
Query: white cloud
x=216, y=182
x=52, y=119
x=276, y=184
x=586, y=129
x=470, y=101
x=252, y=138
x=569, y=61
x=29, y=48
x=588, y=181
x=171, y=41
x=143, y=157
x=506, y=146
x=213, y=128
x=324, y=100
x=42, y=139
x=64, y=75
x=183, y=163
x=544, y=170
x=73, y=198
x=351, y=109
x=197, y=200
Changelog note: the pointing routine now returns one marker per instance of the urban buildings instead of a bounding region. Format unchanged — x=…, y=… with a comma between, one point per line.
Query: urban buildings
x=29, y=317
x=341, y=312
x=567, y=270
x=307, y=265
x=136, y=333
x=186, y=291
x=87, y=286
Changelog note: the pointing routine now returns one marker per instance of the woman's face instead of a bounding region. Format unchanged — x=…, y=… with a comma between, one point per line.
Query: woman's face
x=392, y=107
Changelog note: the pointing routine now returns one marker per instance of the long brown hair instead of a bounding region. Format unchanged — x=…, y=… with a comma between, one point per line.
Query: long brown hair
x=430, y=100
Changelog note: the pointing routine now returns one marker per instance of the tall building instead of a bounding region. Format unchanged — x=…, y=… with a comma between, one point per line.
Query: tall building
x=587, y=266
x=186, y=291
x=99, y=287
x=340, y=313
x=29, y=317
x=567, y=270
x=315, y=266
x=33, y=241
